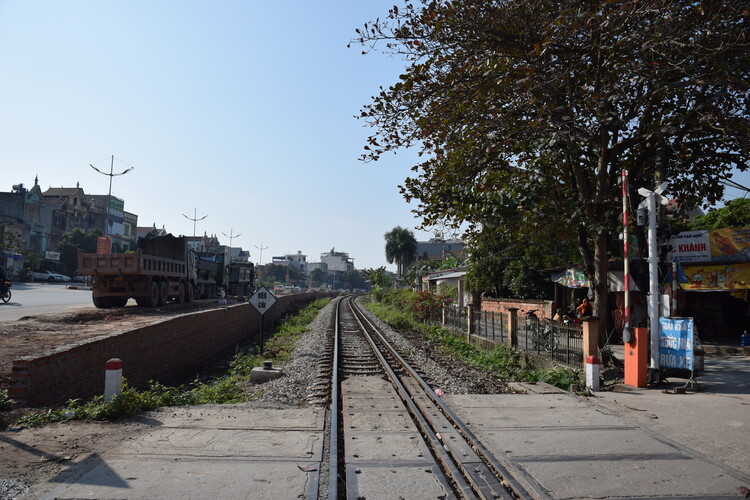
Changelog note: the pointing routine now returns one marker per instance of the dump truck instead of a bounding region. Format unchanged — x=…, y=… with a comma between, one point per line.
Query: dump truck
x=161, y=269
x=241, y=278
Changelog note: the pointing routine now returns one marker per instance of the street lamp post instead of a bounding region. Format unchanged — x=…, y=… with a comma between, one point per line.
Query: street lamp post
x=195, y=219
x=260, y=257
x=109, y=195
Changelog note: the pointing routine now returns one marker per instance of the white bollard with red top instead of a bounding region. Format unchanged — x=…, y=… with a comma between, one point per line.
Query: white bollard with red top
x=113, y=379
x=592, y=373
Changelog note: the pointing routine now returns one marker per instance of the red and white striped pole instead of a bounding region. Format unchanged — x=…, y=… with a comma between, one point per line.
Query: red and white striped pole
x=113, y=379
x=626, y=334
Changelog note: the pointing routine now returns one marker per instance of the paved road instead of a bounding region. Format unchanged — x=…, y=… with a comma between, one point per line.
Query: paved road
x=31, y=299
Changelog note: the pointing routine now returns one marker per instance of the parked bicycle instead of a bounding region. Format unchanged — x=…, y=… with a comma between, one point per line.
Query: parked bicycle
x=542, y=336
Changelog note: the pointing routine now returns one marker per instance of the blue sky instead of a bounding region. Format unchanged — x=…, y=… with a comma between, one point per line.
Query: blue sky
x=239, y=110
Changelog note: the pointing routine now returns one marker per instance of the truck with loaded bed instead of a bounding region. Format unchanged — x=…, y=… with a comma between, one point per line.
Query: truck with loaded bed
x=163, y=268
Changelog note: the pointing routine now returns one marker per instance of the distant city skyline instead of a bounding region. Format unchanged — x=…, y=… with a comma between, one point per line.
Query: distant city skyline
x=228, y=109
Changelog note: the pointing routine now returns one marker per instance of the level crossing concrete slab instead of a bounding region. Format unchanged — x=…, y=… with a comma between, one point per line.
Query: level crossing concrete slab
x=385, y=454
x=222, y=452
x=570, y=448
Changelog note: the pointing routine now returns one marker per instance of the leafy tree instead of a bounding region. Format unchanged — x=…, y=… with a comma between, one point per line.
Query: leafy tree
x=276, y=272
x=73, y=241
x=400, y=247
x=317, y=276
x=736, y=213
x=378, y=277
x=10, y=241
x=525, y=111
x=353, y=279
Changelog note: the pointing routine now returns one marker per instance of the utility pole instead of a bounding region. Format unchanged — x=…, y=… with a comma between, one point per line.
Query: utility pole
x=650, y=203
x=109, y=195
x=195, y=219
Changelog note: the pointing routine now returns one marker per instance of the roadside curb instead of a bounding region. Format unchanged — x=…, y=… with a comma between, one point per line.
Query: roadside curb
x=76, y=287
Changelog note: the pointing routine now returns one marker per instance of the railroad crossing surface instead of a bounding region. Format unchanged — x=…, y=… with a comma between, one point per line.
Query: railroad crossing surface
x=628, y=444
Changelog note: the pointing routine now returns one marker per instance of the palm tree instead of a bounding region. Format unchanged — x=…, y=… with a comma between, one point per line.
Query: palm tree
x=400, y=247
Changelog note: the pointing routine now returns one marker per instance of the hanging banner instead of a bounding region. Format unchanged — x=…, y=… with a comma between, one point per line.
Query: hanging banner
x=676, y=343
x=716, y=277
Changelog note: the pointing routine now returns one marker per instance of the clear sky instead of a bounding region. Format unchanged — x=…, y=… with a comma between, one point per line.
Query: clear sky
x=242, y=111
x=239, y=110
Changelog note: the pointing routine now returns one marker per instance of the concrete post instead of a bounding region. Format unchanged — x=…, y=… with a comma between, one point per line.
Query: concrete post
x=592, y=373
x=512, y=333
x=469, y=322
x=590, y=338
x=112, y=379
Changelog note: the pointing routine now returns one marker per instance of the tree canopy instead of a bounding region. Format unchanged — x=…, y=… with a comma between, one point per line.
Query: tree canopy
x=736, y=213
x=400, y=247
x=525, y=111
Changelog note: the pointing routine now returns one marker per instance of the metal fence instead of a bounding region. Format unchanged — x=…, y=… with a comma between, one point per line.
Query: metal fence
x=490, y=325
x=455, y=317
x=554, y=340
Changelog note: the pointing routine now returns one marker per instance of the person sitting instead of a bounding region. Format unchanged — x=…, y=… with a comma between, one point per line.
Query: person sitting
x=584, y=309
x=559, y=314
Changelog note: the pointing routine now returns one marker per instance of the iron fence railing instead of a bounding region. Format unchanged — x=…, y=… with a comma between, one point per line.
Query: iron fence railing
x=558, y=341
x=455, y=317
x=490, y=325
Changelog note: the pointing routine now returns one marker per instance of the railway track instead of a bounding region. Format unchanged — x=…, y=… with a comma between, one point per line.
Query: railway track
x=391, y=435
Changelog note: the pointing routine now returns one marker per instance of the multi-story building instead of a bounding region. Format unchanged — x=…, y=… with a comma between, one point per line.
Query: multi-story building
x=129, y=231
x=21, y=213
x=438, y=248
x=337, y=261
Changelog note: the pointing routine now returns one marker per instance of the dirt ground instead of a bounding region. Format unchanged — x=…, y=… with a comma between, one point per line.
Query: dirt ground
x=30, y=455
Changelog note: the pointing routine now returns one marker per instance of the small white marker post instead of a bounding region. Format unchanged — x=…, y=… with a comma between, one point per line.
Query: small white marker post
x=592, y=373
x=112, y=379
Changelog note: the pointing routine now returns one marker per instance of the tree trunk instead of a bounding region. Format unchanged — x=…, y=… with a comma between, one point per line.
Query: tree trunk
x=601, y=286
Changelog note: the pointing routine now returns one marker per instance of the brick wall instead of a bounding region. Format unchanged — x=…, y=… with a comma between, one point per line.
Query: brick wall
x=544, y=308
x=164, y=351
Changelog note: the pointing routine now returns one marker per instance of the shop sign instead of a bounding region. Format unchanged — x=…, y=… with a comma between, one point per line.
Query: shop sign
x=676, y=343
x=103, y=245
x=717, y=277
x=732, y=244
x=691, y=246
x=50, y=255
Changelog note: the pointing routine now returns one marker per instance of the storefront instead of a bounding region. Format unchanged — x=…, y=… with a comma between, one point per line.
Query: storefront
x=713, y=278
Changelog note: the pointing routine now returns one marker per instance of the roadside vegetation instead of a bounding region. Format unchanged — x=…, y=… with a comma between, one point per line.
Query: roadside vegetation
x=418, y=312
x=223, y=389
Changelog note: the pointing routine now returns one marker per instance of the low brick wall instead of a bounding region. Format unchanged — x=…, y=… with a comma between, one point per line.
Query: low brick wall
x=164, y=350
x=544, y=308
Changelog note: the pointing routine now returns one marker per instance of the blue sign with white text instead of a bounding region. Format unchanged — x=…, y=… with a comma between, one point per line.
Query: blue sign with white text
x=676, y=343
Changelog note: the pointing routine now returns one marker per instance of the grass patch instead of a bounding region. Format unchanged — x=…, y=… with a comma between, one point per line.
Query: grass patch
x=503, y=361
x=224, y=389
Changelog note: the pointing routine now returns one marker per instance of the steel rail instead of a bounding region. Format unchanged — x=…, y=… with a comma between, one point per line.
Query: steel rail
x=505, y=470
x=333, y=459
x=460, y=483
